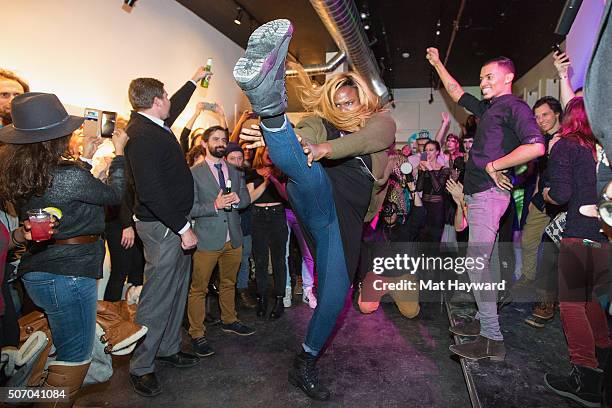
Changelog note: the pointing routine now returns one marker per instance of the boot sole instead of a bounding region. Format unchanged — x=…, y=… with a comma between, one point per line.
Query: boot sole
x=571, y=396
x=295, y=383
x=459, y=333
x=261, y=56
x=492, y=358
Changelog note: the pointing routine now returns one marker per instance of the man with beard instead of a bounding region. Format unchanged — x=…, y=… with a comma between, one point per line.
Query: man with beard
x=10, y=86
x=217, y=226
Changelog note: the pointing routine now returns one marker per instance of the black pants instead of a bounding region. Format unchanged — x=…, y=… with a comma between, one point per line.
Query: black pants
x=269, y=232
x=432, y=232
x=124, y=262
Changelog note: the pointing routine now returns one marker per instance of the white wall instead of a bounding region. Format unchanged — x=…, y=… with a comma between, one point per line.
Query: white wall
x=542, y=79
x=88, y=51
x=413, y=112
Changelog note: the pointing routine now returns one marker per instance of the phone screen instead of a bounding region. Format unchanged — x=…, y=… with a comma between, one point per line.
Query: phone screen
x=108, y=123
x=423, y=156
x=90, y=126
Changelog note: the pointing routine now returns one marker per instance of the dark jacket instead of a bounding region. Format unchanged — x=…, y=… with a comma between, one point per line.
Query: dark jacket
x=573, y=181
x=81, y=198
x=157, y=166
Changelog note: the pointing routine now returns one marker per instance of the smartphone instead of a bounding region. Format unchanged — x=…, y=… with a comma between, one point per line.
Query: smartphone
x=107, y=124
x=91, y=124
x=210, y=106
x=557, y=48
x=424, y=156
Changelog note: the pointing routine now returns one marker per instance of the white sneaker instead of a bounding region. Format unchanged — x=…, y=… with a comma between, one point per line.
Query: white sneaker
x=287, y=298
x=309, y=297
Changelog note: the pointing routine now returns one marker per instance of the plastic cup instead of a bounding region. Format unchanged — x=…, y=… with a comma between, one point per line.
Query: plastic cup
x=39, y=221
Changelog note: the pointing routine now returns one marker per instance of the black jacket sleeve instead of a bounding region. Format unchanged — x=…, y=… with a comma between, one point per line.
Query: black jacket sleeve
x=179, y=100
x=184, y=140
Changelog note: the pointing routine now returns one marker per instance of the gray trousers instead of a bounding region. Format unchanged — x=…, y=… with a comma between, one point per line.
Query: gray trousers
x=484, y=212
x=164, y=293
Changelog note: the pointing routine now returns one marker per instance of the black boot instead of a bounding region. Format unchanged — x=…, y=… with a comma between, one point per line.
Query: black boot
x=583, y=385
x=279, y=307
x=303, y=375
x=262, y=306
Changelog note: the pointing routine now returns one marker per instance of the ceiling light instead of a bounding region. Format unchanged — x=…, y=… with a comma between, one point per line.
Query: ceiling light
x=405, y=55
x=364, y=15
x=437, y=32
x=366, y=27
x=238, y=19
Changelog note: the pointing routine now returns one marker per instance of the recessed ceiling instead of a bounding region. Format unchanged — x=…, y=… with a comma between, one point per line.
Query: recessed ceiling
x=401, y=30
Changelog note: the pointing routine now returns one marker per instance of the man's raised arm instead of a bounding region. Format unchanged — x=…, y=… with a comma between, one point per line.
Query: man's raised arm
x=450, y=84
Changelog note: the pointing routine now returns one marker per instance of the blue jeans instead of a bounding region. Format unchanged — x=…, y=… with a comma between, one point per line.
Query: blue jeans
x=311, y=196
x=242, y=280
x=70, y=305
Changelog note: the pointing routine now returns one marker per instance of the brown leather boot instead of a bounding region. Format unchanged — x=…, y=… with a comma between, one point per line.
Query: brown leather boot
x=466, y=327
x=481, y=348
x=128, y=312
x=65, y=375
x=246, y=300
x=119, y=332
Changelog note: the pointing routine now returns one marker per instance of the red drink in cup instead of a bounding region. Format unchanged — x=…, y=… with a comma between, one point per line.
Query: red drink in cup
x=40, y=221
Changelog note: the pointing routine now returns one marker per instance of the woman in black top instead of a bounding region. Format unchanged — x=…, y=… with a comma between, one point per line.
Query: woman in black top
x=583, y=257
x=431, y=182
x=268, y=229
x=59, y=274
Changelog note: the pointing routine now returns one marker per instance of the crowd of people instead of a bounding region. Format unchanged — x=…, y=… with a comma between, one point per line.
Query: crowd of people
x=217, y=212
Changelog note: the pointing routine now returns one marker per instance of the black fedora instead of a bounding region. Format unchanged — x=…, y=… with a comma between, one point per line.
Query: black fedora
x=38, y=117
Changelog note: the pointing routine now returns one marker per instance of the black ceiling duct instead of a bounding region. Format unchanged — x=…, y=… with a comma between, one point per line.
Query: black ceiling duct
x=568, y=15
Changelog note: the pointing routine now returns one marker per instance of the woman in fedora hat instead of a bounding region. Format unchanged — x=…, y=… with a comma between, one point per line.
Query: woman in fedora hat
x=59, y=274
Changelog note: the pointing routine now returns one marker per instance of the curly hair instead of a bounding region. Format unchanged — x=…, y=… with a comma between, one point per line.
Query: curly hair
x=319, y=99
x=27, y=170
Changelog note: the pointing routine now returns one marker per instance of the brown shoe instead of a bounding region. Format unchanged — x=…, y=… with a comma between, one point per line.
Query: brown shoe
x=119, y=332
x=246, y=300
x=544, y=310
x=481, y=348
x=466, y=327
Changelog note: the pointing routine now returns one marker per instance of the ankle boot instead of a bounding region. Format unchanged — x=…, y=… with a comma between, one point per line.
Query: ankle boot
x=303, y=375
x=279, y=307
x=66, y=375
x=262, y=306
x=246, y=300
x=118, y=332
x=583, y=385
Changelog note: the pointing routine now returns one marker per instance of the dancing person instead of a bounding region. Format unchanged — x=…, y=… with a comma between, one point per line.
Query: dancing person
x=506, y=136
x=343, y=105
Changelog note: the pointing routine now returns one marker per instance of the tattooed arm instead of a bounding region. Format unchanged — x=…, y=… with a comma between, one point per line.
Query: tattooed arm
x=452, y=86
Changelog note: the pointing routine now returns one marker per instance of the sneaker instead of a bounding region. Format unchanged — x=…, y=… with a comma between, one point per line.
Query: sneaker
x=544, y=310
x=309, y=298
x=537, y=322
x=261, y=72
x=583, y=385
x=201, y=347
x=287, y=297
x=237, y=328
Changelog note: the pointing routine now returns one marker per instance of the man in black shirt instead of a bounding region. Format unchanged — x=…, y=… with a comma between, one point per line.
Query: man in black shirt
x=164, y=197
x=507, y=136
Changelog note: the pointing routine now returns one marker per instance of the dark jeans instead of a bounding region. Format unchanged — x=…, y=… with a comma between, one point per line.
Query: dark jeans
x=269, y=232
x=124, y=262
x=70, y=305
x=583, y=274
x=311, y=196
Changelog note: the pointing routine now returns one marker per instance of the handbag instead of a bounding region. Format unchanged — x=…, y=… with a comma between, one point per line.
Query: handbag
x=30, y=323
x=556, y=227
